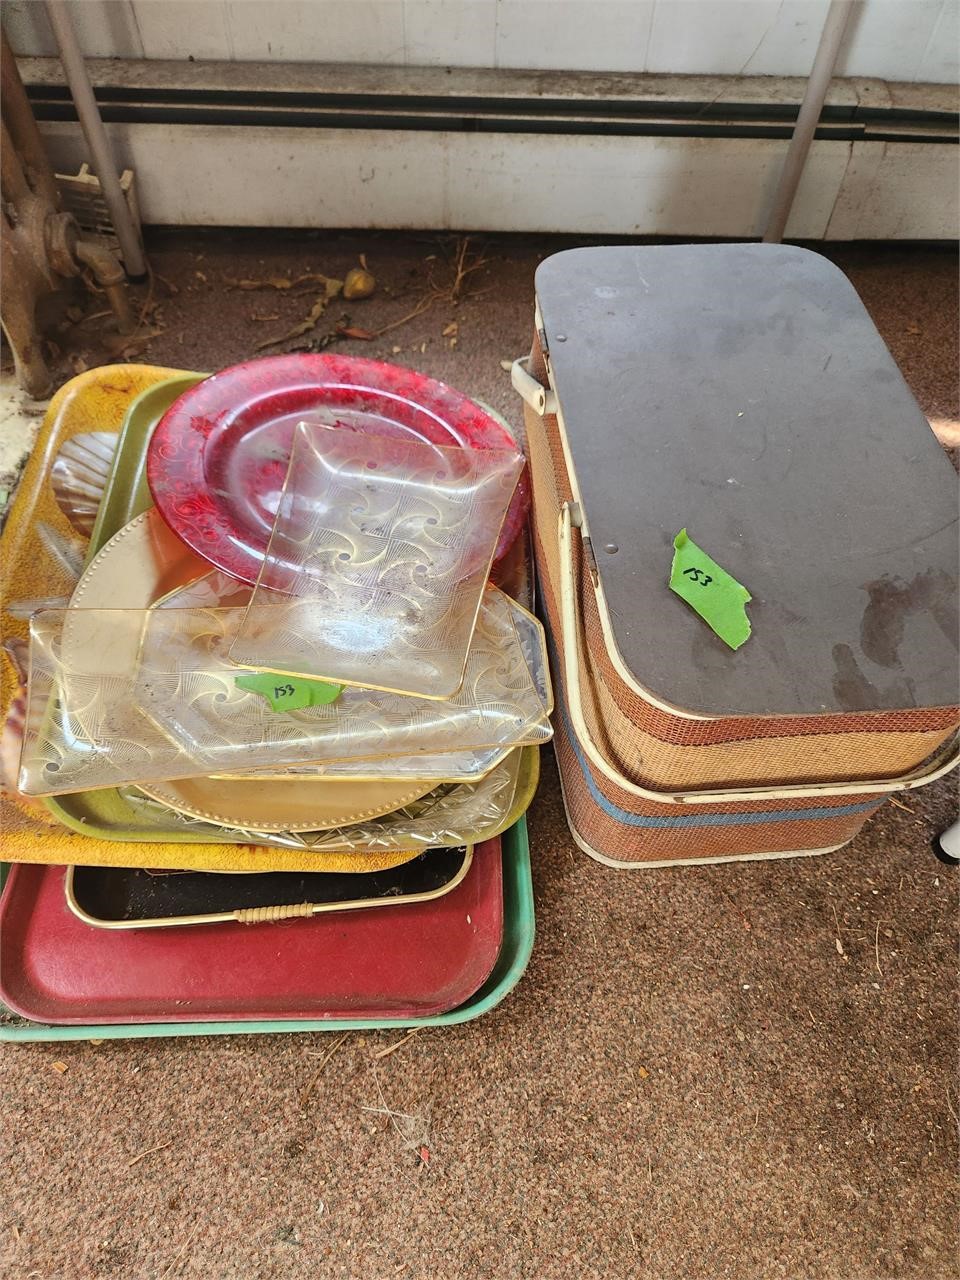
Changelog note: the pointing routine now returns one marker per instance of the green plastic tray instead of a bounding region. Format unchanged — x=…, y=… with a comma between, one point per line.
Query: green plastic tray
x=127, y=495
x=518, y=935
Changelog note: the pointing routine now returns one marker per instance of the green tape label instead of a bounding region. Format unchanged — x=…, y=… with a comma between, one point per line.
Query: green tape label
x=711, y=591
x=289, y=693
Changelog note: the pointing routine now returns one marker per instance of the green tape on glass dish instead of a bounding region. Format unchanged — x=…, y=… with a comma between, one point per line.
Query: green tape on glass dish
x=711, y=591
x=289, y=693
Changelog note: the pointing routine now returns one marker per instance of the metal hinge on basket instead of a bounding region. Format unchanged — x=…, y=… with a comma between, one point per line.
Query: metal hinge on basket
x=543, y=400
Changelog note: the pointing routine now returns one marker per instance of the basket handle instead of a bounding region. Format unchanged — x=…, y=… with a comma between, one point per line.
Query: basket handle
x=542, y=400
x=945, y=759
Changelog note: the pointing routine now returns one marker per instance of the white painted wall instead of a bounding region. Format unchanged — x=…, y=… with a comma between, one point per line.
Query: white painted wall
x=516, y=182
x=908, y=40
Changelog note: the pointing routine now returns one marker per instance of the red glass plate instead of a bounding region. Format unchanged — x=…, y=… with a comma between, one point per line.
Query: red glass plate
x=412, y=960
x=218, y=457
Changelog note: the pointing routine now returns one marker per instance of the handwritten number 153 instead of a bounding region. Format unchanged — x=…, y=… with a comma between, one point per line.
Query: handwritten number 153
x=698, y=575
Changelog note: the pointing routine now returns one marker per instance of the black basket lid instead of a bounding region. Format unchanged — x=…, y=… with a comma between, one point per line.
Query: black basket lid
x=743, y=393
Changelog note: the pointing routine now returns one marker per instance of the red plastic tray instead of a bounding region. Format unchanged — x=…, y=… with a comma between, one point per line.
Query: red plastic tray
x=407, y=961
x=218, y=457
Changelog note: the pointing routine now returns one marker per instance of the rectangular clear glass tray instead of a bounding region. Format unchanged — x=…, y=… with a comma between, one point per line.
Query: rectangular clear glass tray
x=140, y=696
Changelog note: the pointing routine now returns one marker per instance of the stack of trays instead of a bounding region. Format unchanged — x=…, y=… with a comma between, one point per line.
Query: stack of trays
x=280, y=683
x=719, y=426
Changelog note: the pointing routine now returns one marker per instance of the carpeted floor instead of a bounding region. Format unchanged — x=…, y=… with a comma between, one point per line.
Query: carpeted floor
x=743, y=1071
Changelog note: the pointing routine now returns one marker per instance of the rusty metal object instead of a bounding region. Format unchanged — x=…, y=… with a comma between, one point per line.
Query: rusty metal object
x=40, y=245
x=60, y=234
x=110, y=275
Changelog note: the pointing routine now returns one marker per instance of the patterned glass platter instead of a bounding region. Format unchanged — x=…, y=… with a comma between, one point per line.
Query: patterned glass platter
x=141, y=565
x=131, y=696
x=377, y=561
x=218, y=457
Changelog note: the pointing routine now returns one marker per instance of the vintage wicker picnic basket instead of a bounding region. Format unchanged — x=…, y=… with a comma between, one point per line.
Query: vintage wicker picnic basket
x=741, y=392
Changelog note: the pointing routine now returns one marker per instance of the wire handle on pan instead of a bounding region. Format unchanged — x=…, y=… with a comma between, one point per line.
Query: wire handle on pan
x=942, y=763
x=269, y=915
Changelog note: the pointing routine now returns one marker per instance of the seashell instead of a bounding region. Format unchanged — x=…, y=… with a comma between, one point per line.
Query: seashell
x=79, y=474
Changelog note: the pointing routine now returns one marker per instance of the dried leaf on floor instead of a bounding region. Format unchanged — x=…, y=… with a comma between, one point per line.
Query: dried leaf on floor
x=272, y=282
x=59, y=1066
x=278, y=282
x=331, y=289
